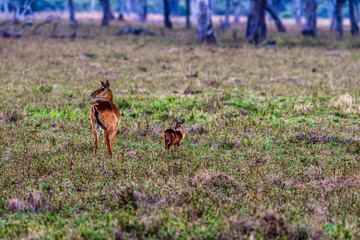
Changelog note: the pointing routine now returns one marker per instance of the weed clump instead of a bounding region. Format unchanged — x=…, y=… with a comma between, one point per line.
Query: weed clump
x=16, y=205
x=12, y=115
x=36, y=202
x=345, y=103
x=33, y=201
x=127, y=196
x=198, y=129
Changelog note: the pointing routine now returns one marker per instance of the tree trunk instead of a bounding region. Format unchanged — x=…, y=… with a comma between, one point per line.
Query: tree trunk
x=142, y=10
x=73, y=22
x=337, y=24
x=298, y=12
x=275, y=6
x=187, y=3
x=205, y=30
x=256, y=26
x=92, y=6
x=121, y=10
x=6, y=9
x=128, y=6
x=272, y=12
x=310, y=13
x=107, y=14
x=237, y=11
x=354, y=26
x=167, y=21
x=227, y=13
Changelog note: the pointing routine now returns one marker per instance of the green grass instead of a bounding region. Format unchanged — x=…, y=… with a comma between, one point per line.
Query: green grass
x=273, y=154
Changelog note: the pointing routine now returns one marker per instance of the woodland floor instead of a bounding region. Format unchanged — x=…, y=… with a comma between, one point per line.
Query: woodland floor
x=271, y=149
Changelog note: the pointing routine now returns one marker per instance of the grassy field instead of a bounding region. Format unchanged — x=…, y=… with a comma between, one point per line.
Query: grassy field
x=271, y=149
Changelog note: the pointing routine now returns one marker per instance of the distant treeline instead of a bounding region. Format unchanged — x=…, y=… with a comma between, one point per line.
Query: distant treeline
x=286, y=8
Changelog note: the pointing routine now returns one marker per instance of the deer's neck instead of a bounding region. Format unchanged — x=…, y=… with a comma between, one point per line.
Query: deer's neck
x=109, y=97
x=182, y=132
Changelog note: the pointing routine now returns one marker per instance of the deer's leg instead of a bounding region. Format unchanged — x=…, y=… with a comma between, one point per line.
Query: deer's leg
x=165, y=143
x=170, y=145
x=176, y=146
x=113, y=139
x=107, y=140
x=95, y=132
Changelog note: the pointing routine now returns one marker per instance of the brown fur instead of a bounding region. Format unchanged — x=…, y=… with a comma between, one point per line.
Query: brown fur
x=104, y=115
x=174, y=137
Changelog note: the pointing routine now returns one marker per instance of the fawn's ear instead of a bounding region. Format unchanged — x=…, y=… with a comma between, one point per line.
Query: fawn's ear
x=102, y=83
x=182, y=121
x=107, y=84
x=175, y=120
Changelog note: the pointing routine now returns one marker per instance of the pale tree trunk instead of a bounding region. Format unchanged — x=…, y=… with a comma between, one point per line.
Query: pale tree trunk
x=128, y=6
x=187, y=5
x=310, y=25
x=107, y=14
x=92, y=6
x=337, y=24
x=354, y=26
x=205, y=30
x=237, y=11
x=73, y=21
x=6, y=9
x=272, y=12
x=167, y=21
x=298, y=12
x=142, y=10
x=256, y=27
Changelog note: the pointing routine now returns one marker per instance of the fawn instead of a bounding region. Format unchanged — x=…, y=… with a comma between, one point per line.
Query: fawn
x=104, y=115
x=174, y=137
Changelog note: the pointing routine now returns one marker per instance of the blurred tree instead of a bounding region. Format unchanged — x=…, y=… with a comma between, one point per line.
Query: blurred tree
x=121, y=10
x=205, y=30
x=5, y=4
x=237, y=11
x=92, y=6
x=107, y=14
x=274, y=15
x=256, y=27
x=226, y=24
x=310, y=14
x=187, y=13
x=275, y=5
x=142, y=10
x=167, y=21
x=337, y=20
x=354, y=27
x=337, y=24
x=73, y=21
x=298, y=11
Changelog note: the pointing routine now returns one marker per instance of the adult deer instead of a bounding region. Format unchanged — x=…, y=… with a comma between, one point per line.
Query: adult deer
x=104, y=115
x=174, y=137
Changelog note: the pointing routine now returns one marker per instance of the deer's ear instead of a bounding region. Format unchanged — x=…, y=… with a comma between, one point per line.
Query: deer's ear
x=175, y=120
x=102, y=83
x=182, y=121
x=107, y=83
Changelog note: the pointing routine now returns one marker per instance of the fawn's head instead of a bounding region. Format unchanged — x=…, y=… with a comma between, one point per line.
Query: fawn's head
x=104, y=91
x=179, y=125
